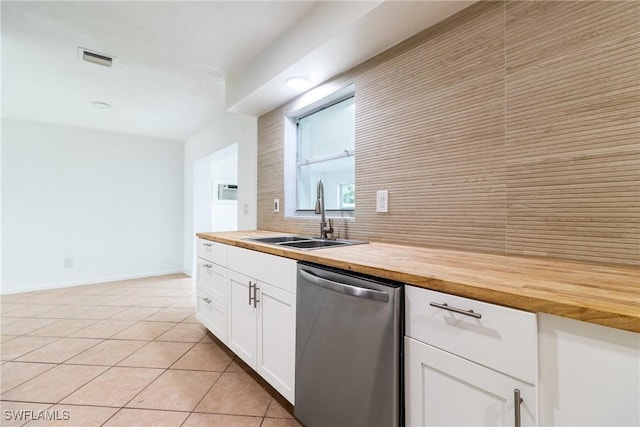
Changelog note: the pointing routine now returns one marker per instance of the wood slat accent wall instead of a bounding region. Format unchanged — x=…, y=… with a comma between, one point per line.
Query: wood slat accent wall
x=510, y=127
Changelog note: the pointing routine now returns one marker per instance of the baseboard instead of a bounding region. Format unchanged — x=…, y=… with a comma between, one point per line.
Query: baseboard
x=46, y=286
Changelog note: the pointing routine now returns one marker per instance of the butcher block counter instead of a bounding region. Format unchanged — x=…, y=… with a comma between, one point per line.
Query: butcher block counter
x=603, y=294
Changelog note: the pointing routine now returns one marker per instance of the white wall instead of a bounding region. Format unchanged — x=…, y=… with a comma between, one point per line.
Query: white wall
x=111, y=202
x=224, y=170
x=228, y=129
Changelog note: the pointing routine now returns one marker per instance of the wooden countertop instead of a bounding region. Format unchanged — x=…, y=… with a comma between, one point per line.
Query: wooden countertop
x=604, y=294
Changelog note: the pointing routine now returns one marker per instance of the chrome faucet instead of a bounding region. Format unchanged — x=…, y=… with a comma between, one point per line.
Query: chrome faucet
x=324, y=230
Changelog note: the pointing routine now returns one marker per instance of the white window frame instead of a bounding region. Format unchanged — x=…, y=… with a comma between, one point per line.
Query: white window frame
x=291, y=145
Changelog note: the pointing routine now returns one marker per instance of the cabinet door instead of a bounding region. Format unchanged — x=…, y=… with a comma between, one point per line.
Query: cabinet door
x=276, y=338
x=242, y=318
x=446, y=390
x=212, y=314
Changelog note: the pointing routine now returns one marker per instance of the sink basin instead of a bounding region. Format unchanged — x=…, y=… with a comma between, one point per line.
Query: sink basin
x=302, y=242
x=314, y=244
x=279, y=239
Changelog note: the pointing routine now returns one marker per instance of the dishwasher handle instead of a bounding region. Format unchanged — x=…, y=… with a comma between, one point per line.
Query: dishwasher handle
x=345, y=289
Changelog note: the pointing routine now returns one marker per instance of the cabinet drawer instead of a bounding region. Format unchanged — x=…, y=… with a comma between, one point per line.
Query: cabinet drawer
x=212, y=278
x=212, y=314
x=275, y=270
x=502, y=338
x=212, y=251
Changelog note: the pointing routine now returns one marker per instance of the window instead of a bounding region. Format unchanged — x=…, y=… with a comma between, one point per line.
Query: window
x=326, y=150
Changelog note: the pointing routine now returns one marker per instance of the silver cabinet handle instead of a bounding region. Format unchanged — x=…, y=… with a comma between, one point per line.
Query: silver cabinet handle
x=207, y=245
x=207, y=300
x=208, y=265
x=345, y=289
x=446, y=306
x=255, y=295
x=517, y=401
x=250, y=297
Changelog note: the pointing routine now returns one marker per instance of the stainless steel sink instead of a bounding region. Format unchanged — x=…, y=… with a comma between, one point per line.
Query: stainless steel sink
x=278, y=239
x=304, y=243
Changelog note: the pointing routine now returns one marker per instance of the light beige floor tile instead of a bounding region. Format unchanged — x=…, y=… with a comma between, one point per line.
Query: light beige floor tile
x=188, y=302
x=15, y=414
x=63, y=312
x=280, y=422
x=54, y=384
x=185, y=332
x=170, y=315
x=75, y=416
x=21, y=345
x=113, y=388
x=156, y=355
x=135, y=313
x=103, y=329
x=144, y=331
x=5, y=338
x=235, y=367
x=13, y=298
x=191, y=319
x=208, y=338
x=276, y=410
x=12, y=374
x=216, y=420
x=146, y=418
x=107, y=353
x=25, y=310
x=26, y=325
x=236, y=394
x=5, y=321
x=204, y=357
x=147, y=301
x=175, y=391
x=62, y=328
x=99, y=312
x=59, y=351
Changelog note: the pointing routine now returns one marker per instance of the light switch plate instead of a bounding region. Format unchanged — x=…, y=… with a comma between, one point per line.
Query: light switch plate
x=382, y=201
x=276, y=205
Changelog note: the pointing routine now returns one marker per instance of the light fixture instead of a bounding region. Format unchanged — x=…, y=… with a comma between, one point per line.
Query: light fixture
x=298, y=82
x=100, y=104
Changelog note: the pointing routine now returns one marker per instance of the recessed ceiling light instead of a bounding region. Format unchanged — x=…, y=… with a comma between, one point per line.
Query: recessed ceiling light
x=100, y=104
x=298, y=82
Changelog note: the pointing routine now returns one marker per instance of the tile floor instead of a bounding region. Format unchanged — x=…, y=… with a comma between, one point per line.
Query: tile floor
x=127, y=353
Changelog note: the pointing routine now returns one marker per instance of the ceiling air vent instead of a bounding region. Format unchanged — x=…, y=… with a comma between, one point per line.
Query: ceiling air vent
x=96, y=58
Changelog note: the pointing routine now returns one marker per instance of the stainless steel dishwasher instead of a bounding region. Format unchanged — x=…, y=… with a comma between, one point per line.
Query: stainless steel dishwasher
x=348, y=349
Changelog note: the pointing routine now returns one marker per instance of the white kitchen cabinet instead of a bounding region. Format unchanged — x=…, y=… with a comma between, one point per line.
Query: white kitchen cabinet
x=465, y=362
x=277, y=338
x=242, y=318
x=589, y=374
x=262, y=315
x=212, y=287
x=443, y=389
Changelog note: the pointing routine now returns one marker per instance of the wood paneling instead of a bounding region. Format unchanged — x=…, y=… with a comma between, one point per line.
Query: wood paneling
x=602, y=294
x=510, y=127
x=573, y=111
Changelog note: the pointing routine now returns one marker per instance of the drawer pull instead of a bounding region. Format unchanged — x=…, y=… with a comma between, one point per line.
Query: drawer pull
x=446, y=306
x=207, y=300
x=207, y=245
x=208, y=265
x=517, y=401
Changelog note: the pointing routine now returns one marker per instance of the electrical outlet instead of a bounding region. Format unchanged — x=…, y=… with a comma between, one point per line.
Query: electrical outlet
x=245, y=208
x=382, y=201
x=276, y=205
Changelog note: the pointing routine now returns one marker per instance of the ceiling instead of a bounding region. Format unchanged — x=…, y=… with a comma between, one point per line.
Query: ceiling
x=179, y=64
